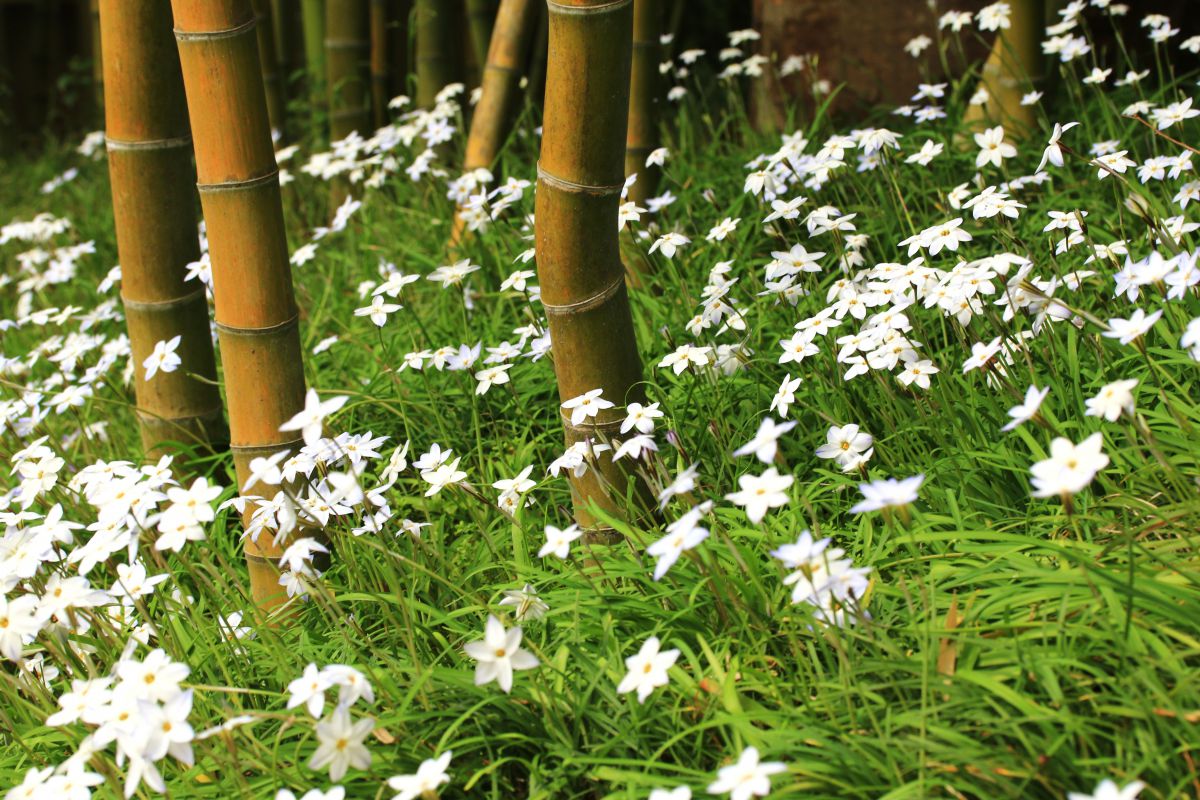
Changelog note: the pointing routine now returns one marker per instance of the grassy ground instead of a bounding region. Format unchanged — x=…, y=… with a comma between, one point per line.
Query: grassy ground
x=1007, y=646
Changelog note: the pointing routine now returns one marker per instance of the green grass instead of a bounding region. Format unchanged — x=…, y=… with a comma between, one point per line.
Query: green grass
x=1075, y=637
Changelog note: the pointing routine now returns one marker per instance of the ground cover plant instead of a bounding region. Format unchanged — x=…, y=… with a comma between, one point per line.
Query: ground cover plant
x=919, y=432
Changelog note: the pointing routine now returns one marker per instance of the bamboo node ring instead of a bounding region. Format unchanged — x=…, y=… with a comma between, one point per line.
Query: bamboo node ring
x=609, y=427
x=162, y=305
x=347, y=44
x=230, y=330
x=560, y=8
x=292, y=445
x=171, y=143
x=227, y=33
x=588, y=303
x=234, y=186
x=571, y=186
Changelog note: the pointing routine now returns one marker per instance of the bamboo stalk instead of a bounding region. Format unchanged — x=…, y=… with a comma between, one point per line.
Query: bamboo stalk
x=269, y=60
x=257, y=319
x=436, y=61
x=312, y=15
x=481, y=16
x=347, y=53
x=97, y=56
x=516, y=22
x=289, y=40
x=645, y=98
x=379, y=61
x=150, y=171
x=1014, y=63
x=399, y=13
x=535, y=89
x=580, y=175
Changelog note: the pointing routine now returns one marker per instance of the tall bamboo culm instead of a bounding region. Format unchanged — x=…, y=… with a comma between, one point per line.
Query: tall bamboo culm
x=380, y=63
x=645, y=98
x=516, y=24
x=289, y=40
x=436, y=53
x=1013, y=65
x=580, y=176
x=347, y=59
x=398, y=46
x=150, y=172
x=312, y=17
x=97, y=55
x=257, y=318
x=481, y=18
x=272, y=76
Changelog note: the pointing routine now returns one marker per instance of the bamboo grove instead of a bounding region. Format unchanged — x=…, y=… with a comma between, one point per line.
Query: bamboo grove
x=235, y=66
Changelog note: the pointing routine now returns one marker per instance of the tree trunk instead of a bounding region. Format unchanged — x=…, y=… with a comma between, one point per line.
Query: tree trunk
x=150, y=170
x=347, y=58
x=436, y=54
x=580, y=176
x=257, y=319
x=271, y=74
x=645, y=98
x=516, y=23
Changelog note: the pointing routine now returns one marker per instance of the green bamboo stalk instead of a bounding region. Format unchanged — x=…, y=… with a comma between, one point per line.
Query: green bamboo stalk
x=269, y=59
x=645, y=99
x=580, y=176
x=257, y=318
x=97, y=56
x=1014, y=62
x=481, y=16
x=437, y=63
x=535, y=88
x=312, y=15
x=399, y=50
x=379, y=62
x=150, y=172
x=289, y=40
x=347, y=57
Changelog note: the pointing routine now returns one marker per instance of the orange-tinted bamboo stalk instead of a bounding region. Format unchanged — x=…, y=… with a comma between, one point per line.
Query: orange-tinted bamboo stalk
x=481, y=16
x=257, y=319
x=347, y=57
x=150, y=171
x=645, y=97
x=269, y=59
x=580, y=176
x=312, y=16
x=516, y=23
x=379, y=61
x=1014, y=63
x=436, y=53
